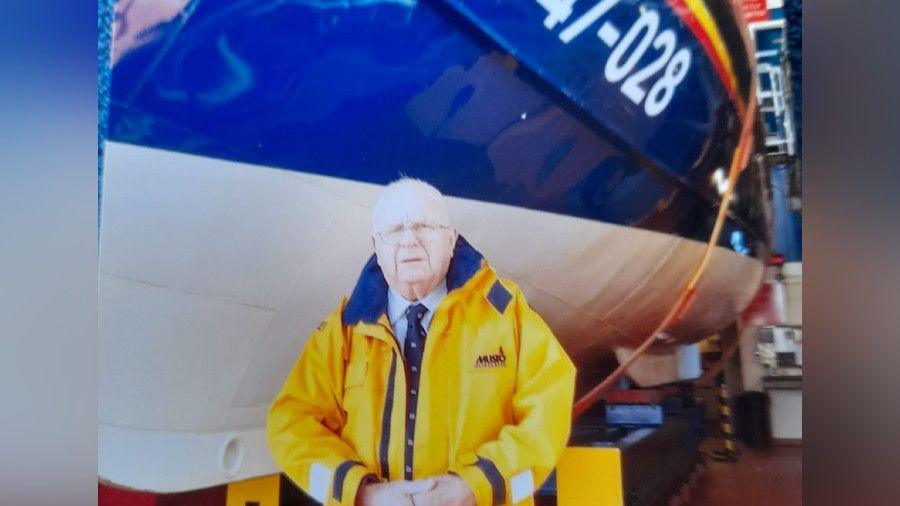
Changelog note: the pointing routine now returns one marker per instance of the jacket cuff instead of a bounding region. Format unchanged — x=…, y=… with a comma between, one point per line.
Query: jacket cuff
x=347, y=479
x=485, y=480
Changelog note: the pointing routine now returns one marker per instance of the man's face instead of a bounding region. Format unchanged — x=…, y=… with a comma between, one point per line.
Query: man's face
x=413, y=240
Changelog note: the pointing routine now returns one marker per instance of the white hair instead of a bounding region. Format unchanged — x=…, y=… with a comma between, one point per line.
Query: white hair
x=412, y=186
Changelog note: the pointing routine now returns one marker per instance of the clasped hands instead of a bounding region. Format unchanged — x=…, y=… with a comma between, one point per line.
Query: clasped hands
x=443, y=490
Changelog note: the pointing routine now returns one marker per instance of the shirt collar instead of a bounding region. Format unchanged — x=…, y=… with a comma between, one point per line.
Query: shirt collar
x=397, y=304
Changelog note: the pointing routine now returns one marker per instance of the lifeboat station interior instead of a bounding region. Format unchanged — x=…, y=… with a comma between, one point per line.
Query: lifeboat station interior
x=634, y=167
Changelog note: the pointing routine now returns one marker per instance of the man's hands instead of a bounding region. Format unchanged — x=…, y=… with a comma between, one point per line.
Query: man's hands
x=392, y=493
x=448, y=490
x=444, y=490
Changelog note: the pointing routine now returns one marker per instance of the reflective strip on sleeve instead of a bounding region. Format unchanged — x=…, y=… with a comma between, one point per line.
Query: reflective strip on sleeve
x=521, y=485
x=319, y=478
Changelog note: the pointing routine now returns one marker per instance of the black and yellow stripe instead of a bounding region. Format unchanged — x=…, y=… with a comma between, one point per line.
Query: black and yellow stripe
x=729, y=451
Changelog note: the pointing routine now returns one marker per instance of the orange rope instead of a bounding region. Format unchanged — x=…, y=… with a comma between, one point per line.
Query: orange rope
x=738, y=161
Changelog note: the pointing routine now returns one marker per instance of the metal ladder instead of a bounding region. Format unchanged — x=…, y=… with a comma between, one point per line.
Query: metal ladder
x=772, y=92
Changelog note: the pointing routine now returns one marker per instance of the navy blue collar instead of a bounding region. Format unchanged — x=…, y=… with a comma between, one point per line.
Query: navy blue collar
x=369, y=298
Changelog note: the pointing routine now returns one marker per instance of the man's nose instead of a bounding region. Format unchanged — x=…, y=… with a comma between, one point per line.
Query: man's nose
x=409, y=237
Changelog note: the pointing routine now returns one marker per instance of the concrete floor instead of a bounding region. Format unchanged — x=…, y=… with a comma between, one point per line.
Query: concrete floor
x=771, y=477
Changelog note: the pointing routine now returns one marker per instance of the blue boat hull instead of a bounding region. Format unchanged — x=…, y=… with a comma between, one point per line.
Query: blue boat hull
x=485, y=103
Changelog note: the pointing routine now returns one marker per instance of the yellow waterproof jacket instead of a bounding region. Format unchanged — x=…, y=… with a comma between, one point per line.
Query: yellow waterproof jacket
x=493, y=405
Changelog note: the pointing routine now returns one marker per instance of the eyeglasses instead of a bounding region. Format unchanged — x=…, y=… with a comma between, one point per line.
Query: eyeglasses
x=422, y=230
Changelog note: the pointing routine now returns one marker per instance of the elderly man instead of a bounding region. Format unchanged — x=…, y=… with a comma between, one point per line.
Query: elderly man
x=433, y=384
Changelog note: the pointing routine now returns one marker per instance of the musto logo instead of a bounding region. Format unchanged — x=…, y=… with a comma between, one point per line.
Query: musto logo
x=495, y=360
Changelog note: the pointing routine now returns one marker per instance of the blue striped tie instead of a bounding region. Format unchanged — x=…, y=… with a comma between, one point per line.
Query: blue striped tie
x=412, y=352
x=415, y=333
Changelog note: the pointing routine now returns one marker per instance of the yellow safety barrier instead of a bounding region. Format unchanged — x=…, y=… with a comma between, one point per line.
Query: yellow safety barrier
x=262, y=491
x=589, y=476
